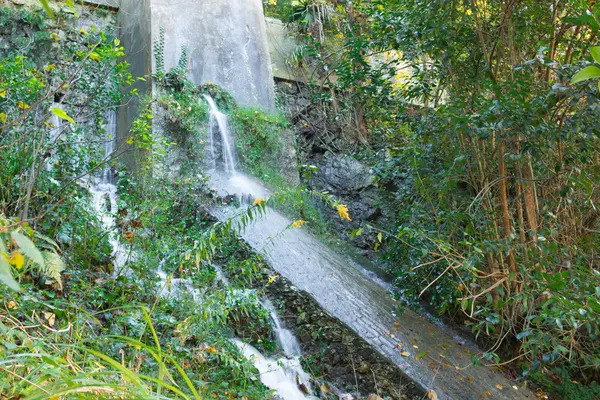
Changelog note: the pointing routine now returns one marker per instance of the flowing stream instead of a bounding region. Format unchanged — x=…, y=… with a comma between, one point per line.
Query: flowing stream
x=104, y=196
x=427, y=353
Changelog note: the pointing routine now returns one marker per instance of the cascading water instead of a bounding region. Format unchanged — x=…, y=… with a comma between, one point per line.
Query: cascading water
x=218, y=125
x=104, y=195
x=284, y=375
x=285, y=337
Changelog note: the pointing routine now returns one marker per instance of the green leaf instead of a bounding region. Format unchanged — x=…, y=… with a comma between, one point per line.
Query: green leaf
x=28, y=248
x=6, y=276
x=595, y=52
x=60, y=113
x=47, y=8
x=590, y=72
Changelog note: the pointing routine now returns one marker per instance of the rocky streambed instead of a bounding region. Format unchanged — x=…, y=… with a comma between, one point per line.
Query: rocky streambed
x=334, y=354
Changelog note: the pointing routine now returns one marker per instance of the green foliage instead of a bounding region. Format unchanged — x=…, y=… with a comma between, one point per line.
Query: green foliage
x=159, y=53
x=223, y=99
x=258, y=138
x=490, y=158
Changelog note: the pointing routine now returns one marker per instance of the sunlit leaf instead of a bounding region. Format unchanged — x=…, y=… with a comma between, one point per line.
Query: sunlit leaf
x=590, y=72
x=28, y=247
x=60, y=113
x=6, y=275
x=47, y=8
x=595, y=52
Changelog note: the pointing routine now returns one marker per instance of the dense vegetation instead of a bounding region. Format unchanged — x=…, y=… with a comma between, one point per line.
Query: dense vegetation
x=467, y=113
x=478, y=118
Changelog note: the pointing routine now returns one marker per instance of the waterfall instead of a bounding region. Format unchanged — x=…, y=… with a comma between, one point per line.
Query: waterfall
x=218, y=124
x=104, y=195
x=110, y=130
x=55, y=133
x=284, y=375
x=279, y=375
x=285, y=337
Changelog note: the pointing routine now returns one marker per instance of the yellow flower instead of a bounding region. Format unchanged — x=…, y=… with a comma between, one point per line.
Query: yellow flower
x=343, y=211
x=298, y=224
x=259, y=200
x=17, y=259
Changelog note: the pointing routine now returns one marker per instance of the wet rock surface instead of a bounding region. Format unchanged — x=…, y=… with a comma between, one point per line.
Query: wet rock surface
x=426, y=353
x=331, y=350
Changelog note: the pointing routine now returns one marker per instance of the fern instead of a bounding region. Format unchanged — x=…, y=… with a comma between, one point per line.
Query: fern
x=53, y=268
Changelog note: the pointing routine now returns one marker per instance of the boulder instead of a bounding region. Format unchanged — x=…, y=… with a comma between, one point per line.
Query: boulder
x=342, y=175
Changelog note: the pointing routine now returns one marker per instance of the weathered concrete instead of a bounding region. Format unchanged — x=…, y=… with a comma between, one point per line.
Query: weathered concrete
x=227, y=45
x=282, y=47
x=135, y=21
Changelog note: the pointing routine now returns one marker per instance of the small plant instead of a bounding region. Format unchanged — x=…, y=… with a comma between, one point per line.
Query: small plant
x=159, y=53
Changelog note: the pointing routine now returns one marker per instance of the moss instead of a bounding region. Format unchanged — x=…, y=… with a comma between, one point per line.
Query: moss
x=258, y=141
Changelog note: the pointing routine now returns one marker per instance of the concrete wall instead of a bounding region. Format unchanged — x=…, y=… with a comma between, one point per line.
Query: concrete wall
x=227, y=44
x=282, y=47
x=134, y=30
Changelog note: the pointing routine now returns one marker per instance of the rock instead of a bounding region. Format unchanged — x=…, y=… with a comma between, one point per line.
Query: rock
x=301, y=318
x=18, y=2
x=342, y=175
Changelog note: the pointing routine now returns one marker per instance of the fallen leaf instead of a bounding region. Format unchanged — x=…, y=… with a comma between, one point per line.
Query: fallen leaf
x=405, y=354
x=432, y=395
x=50, y=317
x=421, y=355
x=499, y=386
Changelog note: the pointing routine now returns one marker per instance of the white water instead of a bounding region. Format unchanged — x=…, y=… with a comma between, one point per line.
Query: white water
x=279, y=375
x=104, y=196
x=176, y=287
x=285, y=337
x=219, y=125
x=284, y=375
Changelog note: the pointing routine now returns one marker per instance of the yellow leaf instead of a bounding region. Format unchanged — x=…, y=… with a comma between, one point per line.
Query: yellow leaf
x=499, y=386
x=83, y=31
x=3, y=93
x=405, y=354
x=22, y=105
x=50, y=67
x=259, y=200
x=130, y=140
x=432, y=395
x=94, y=56
x=343, y=211
x=17, y=259
x=3, y=117
x=273, y=278
x=298, y=223
x=12, y=305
